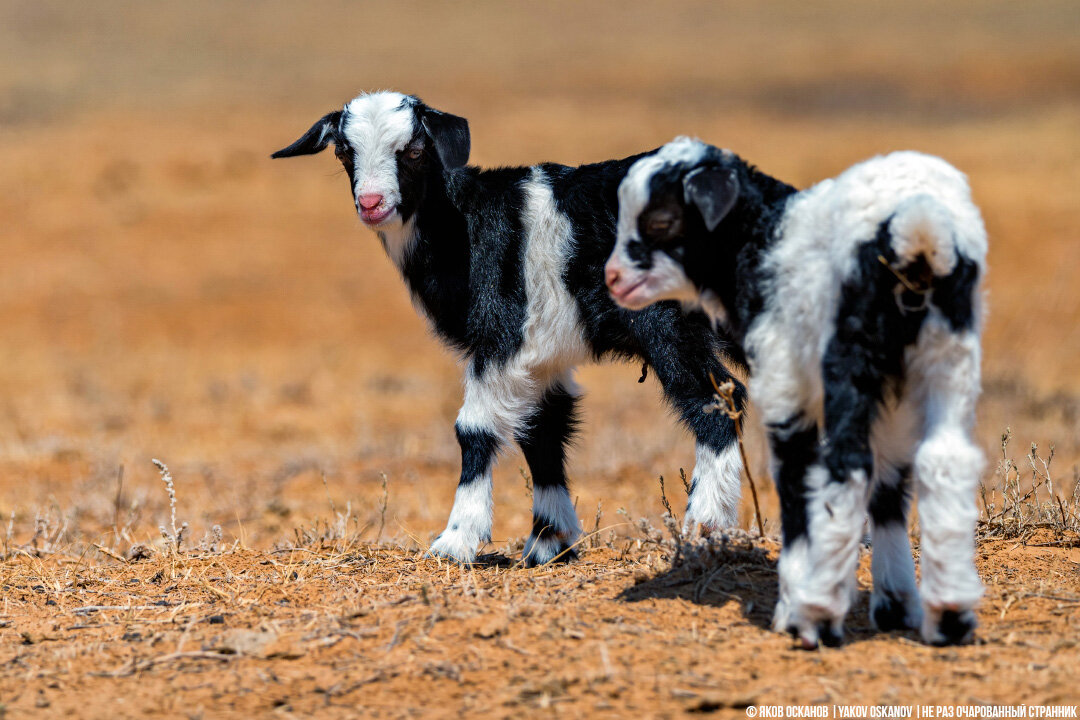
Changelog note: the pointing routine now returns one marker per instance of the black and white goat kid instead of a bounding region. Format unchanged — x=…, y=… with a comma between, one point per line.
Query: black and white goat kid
x=857, y=305
x=507, y=265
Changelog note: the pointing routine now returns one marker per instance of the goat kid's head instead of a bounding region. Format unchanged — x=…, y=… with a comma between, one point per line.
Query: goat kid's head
x=670, y=203
x=389, y=144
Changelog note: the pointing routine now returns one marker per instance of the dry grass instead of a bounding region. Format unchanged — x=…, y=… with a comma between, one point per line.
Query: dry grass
x=1024, y=503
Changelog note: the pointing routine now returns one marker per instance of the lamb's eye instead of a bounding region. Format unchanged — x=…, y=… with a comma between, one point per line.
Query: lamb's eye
x=341, y=152
x=414, y=153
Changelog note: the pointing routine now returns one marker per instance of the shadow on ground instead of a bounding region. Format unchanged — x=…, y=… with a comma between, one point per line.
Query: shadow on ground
x=719, y=571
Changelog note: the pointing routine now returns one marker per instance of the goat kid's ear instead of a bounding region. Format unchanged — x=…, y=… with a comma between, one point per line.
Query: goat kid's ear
x=713, y=191
x=450, y=134
x=314, y=140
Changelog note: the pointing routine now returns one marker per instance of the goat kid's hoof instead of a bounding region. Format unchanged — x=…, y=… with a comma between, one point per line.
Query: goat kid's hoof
x=807, y=626
x=892, y=610
x=541, y=551
x=949, y=626
x=452, y=546
x=821, y=634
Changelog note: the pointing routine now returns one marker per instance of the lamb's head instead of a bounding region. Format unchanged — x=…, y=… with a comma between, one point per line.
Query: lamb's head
x=670, y=203
x=390, y=145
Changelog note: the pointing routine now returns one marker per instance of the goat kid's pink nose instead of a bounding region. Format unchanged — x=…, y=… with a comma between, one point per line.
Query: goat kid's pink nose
x=611, y=275
x=369, y=201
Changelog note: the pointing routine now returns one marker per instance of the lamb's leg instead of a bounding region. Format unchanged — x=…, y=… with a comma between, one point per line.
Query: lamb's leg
x=555, y=523
x=947, y=470
x=496, y=401
x=683, y=351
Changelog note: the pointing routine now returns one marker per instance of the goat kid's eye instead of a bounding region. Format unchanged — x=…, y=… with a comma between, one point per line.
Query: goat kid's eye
x=414, y=153
x=658, y=225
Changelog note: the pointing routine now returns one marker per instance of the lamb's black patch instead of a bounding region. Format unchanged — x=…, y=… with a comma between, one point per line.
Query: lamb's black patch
x=795, y=448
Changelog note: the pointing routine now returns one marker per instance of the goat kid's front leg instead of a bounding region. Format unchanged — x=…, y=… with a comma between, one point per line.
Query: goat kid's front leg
x=495, y=403
x=469, y=526
x=684, y=354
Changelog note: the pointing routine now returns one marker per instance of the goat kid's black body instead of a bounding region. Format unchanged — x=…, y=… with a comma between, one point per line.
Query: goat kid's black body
x=467, y=269
x=508, y=265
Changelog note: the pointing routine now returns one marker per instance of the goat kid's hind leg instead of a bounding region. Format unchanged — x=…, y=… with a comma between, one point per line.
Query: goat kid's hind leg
x=820, y=593
x=947, y=470
x=894, y=602
x=799, y=476
x=555, y=525
x=683, y=353
x=495, y=402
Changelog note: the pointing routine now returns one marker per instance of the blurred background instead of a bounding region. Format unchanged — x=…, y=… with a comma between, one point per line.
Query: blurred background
x=167, y=291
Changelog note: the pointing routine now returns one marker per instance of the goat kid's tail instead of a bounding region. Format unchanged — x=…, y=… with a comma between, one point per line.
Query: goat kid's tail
x=922, y=225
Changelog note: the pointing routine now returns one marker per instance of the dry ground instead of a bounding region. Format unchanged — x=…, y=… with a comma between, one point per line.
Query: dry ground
x=167, y=291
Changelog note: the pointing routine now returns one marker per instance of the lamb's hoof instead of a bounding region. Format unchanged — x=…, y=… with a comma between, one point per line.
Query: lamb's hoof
x=544, y=550
x=948, y=626
x=892, y=610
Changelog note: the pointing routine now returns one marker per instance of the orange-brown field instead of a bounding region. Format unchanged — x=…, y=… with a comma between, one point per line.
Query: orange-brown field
x=166, y=291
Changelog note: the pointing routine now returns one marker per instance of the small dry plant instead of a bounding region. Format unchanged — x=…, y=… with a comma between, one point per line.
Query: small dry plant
x=1025, y=502
x=176, y=537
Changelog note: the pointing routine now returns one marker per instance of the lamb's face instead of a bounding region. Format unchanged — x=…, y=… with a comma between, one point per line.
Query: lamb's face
x=389, y=145
x=666, y=212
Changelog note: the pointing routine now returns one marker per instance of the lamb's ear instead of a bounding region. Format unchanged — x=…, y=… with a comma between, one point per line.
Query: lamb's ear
x=314, y=140
x=451, y=136
x=713, y=191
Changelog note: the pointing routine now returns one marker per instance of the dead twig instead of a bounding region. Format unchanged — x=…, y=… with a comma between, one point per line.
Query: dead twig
x=726, y=394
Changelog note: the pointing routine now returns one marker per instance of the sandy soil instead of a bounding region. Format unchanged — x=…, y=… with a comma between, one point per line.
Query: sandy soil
x=169, y=292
